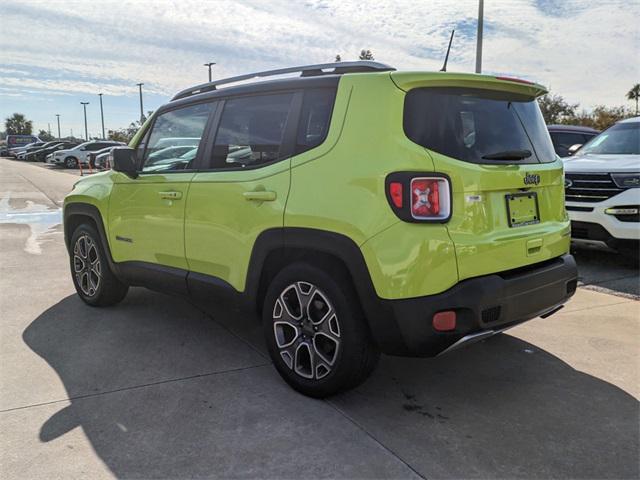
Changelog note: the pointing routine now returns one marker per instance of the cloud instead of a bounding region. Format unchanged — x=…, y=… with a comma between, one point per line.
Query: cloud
x=585, y=50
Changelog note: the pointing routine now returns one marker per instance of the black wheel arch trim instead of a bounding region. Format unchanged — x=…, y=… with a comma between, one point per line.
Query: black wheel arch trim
x=346, y=251
x=89, y=211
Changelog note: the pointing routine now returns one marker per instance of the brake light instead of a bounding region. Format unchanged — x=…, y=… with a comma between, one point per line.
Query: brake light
x=395, y=190
x=517, y=80
x=417, y=198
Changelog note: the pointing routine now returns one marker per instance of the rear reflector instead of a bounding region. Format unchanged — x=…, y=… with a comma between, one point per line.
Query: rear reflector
x=444, y=321
x=395, y=190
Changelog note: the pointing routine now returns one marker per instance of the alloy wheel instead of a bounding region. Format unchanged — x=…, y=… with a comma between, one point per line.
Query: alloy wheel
x=86, y=265
x=307, y=330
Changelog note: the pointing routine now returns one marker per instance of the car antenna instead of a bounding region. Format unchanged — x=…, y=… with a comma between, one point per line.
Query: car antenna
x=446, y=58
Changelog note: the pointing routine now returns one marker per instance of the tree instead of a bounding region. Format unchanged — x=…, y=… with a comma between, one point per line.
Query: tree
x=634, y=94
x=555, y=109
x=603, y=116
x=17, y=124
x=338, y=58
x=366, y=55
x=45, y=136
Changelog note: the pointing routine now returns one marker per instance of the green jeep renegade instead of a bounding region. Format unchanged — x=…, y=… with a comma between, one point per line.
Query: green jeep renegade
x=359, y=209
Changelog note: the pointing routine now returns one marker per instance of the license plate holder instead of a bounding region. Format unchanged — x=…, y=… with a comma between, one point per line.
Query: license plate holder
x=522, y=209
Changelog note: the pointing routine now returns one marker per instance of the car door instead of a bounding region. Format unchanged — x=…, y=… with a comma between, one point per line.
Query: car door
x=146, y=213
x=244, y=190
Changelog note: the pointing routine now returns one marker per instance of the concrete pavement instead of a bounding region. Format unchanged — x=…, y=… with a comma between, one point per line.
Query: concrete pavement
x=157, y=387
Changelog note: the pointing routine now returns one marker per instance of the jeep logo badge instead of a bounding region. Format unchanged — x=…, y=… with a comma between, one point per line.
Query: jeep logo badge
x=531, y=179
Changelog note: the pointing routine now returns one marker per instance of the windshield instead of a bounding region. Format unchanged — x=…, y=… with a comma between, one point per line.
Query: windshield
x=621, y=139
x=479, y=126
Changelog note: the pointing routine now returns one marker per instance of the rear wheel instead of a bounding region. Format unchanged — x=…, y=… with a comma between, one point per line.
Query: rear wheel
x=71, y=162
x=316, y=332
x=94, y=281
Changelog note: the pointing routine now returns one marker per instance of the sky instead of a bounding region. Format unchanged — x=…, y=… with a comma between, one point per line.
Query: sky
x=55, y=54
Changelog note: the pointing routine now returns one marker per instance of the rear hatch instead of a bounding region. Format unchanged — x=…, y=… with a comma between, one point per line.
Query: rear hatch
x=489, y=137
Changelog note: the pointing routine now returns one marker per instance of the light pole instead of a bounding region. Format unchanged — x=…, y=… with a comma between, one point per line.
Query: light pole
x=102, y=116
x=141, y=109
x=210, y=64
x=86, y=134
x=59, y=137
x=479, y=44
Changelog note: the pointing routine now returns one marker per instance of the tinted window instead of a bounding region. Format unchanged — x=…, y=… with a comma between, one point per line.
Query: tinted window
x=621, y=139
x=563, y=140
x=170, y=134
x=317, y=106
x=251, y=131
x=469, y=124
x=93, y=146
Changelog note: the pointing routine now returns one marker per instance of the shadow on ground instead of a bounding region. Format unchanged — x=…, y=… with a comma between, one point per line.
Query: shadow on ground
x=159, y=395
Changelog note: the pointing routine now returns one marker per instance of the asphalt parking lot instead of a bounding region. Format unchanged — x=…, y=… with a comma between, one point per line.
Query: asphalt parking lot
x=157, y=387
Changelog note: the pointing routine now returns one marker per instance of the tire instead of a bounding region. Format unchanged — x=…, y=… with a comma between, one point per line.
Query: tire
x=94, y=281
x=328, y=349
x=71, y=162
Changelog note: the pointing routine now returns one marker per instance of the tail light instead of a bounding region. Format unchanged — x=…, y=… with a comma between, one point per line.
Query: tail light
x=415, y=197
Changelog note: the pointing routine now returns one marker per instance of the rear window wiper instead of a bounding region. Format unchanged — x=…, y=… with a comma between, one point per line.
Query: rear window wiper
x=508, y=155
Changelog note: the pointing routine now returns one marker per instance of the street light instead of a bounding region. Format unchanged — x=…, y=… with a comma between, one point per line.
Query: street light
x=479, y=39
x=141, y=110
x=102, y=116
x=210, y=64
x=59, y=137
x=86, y=134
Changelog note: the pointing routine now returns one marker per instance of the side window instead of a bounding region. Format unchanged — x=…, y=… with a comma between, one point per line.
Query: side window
x=563, y=140
x=315, y=117
x=251, y=131
x=174, y=139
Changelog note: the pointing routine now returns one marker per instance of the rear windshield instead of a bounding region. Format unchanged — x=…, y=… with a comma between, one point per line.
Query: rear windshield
x=478, y=126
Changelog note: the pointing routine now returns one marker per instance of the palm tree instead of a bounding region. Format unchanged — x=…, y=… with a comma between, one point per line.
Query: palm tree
x=634, y=94
x=17, y=124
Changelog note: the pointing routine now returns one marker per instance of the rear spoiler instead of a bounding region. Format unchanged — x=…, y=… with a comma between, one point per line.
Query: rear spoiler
x=409, y=80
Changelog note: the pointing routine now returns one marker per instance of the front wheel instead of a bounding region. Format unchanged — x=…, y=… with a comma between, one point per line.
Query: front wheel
x=71, y=162
x=95, y=283
x=316, y=332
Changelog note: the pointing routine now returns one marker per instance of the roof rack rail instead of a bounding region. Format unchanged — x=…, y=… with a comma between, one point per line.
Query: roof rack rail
x=338, y=68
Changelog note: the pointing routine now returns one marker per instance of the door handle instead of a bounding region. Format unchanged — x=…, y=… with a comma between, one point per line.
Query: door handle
x=170, y=195
x=260, y=196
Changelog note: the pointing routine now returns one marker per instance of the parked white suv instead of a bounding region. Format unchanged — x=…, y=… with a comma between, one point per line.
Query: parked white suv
x=72, y=157
x=602, y=188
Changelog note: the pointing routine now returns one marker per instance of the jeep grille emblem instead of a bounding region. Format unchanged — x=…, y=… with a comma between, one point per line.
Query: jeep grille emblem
x=531, y=179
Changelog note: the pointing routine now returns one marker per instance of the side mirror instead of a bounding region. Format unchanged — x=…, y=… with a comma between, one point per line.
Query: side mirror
x=574, y=148
x=123, y=159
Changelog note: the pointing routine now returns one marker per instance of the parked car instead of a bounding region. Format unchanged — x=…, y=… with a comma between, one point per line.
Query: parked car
x=567, y=139
x=14, y=152
x=18, y=141
x=602, y=184
x=25, y=154
x=100, y=158
x=22, y=155
x=72, y=157
x=40, y=154
x=338, y=206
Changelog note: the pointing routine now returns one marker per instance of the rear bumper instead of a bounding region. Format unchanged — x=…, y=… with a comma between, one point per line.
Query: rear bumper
x=483, y=305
